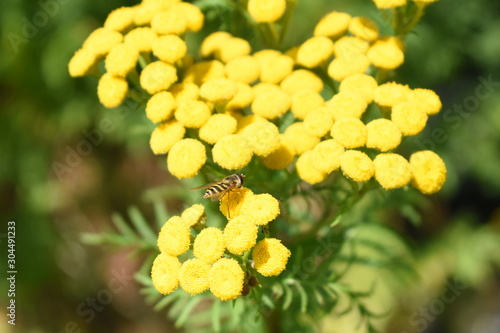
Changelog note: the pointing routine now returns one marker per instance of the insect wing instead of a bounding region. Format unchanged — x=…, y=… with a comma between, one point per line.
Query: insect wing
x=204, y=186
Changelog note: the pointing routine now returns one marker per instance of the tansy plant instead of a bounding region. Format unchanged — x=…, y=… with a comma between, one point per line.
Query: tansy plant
x=316, y=129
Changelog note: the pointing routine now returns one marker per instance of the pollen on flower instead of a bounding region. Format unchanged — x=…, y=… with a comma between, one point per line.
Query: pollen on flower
x=169, y=48
x=298, y=138
x=266, y=10
x=280, y=158
x=326, y=156
x=314, y=51
x=165, y=135
x=204, y=71
x=219, y=90
x=426, y=99
x=318, y=122
x=193, y=114
x=360, y=84
x=349, y=132
x=304, y=102
x=390, y=94
x=230, y=204
x=102, y=40
x=232, y=152
x=243, y=69
x=263, y=137
x=243, y=98
x=141, y=38
x=160, y=106
x=233, y=48
x=349, y=46
x=274, y=66
x=386, y=54
x=165, y=273
x=240, y=234
x=169, y=22
x=357, y=165
x=346, y=104
x=363, y=28
x=271, y=105
x=157, y=76
x=120, y=19
x=226, y=279
x=261, y=208
x=112, y=90
x=301, y=79
x=217, y=127
x=333, y=25
x=385, y=4
x=193, y=276
x=429, y=171
x=382, y=134
x=174, y=238
x=186, y=158
x=209, y=245
x=392, y=171
x=345, y=66
x=194, y=215
x=409, y=117
x=270, y=257
x=82, y=63
x=306, y=168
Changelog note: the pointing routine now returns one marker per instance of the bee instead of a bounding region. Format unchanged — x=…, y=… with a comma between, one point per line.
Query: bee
x=216, y=190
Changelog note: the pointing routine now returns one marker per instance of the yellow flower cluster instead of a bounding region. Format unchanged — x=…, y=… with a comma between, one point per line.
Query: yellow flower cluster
x=209, y=269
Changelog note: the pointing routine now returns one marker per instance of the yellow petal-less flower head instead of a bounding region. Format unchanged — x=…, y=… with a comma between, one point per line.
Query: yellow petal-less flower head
x=357, y=165
x=240, y=234
x=349, y=132
x=391, y=93
x=243, y=98
x=363, y=28
x=301, y=79
x=304, y=102
x=424, y=2
x=204, y=71
x=280, y=158
x=266, y=10
x=232, y=152
x=120, y=19
x=213, y=42
x=158, y=76
x=385, y=4
x=349, y=46
x=217, y=127
x=82, y=63
x=194, y=215
x=141, y=38
x=193, y=15
x=169, y=48
x=165, y=273
x=230, y=204
x=192, y=114
x=186, y=158
x=233, y=48
x=174, y=238
x=121, y=59
x=226, y=279
x=298, y=139
x=382, y=134
x=169, y=22
x=102, y=40
x=219, y=90
x=160, y=106
x=386, y=54
x=209, y=245
x=318, y=122
x=271, y=105
x=145, y=11
x=270, y=257
x=263, y=137
x=429, y=171
x=326, y=156
x=346, y=104
x=392, y=171
x=193, y=276
x=112, y=90
x=243, y=69
x=261, y=208
x=345, y=66
x=306, y=168
x=244, y=121
x=333, y=25
x=409, y=117
x=427, y=100
x=360, y=84
x=314, y=51
x=185, y=92
x=274, y=66
x=165, y=135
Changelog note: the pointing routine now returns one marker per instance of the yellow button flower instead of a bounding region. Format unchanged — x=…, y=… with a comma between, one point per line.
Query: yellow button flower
x=218, y=90
x=174, y=238
x=226, y=279
x=263, y=87
x=360, y=84
x=243, y=69
x=333, y=25
x=141, y=38
x=409, y=117
x=305, y=101
x=385, y=4
x=392, y=171
x=426, y=99
x=232, y=152
x=346, y=104
x=326, y=156
x=261, y=208
x=83, y=63
x=306, y=168
x=314, y=51
x=274, y=66
x=318, y=122
x=186, y=158
x=165, y=135
x=169, y=22
x=192, y=114
x=357, y=165
x=184, y=92
x=298, y=139
x=230, y=204
x=429, y=171
x=243, y=98
x=240, y=234
x=345, y=66
x=349, y=132
x=233, y=48
x=263, y=137
x=213, y=42
x=165, y=273
x=244, y=121
x=145, y=11
x=121, y=60
x=390, y=94
x=301, y=79
x=193, y=15
x=157, y=76
x=120, y=19
x=193, y=276
x=194, y=215
x=160, y=106
x=112, y=90
x=102, y=40
x=266, y=10
x=280, y=158
x=209, y=245
x=363, y=28
x=382, y=134
x=271, y=105
x=270, y=257
x=204, y=71
x=349, y=46
x=169, y=48
x=386, y=54
x=217, y=127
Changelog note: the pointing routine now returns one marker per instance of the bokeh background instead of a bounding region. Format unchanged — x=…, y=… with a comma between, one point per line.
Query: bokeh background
x=54, y=193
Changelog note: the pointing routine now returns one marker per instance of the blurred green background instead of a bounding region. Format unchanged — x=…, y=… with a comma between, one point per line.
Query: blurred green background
x=54, y=193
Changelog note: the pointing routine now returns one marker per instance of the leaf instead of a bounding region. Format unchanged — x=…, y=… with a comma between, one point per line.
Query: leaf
x=141, y=225
x=187, y=310
x=303, y=296
x=161, y=213
x=122, y=226
x=216, y=315
x=288, y=297
x=164, y=302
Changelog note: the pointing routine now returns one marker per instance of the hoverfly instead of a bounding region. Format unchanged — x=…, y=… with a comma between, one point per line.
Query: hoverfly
x=217, y=190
